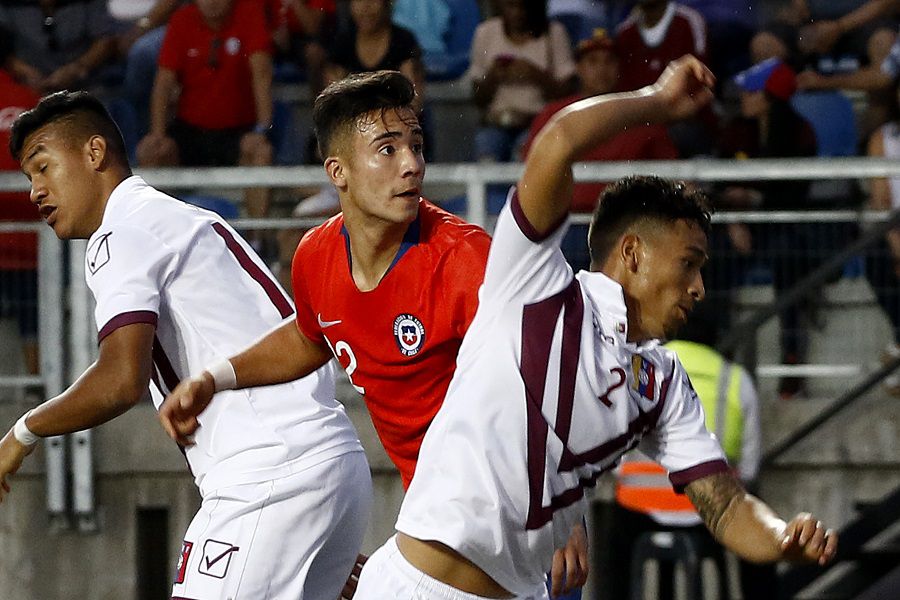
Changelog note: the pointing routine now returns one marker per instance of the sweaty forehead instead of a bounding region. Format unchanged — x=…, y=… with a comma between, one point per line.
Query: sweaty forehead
x=374, y=123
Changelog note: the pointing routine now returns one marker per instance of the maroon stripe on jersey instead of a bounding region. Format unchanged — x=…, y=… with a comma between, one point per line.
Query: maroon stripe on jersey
x=256, y=272
x=164, y=366
x=127, y=318
x=525, y=225
x=568, y=368
x=680, y=479
x=538, y=326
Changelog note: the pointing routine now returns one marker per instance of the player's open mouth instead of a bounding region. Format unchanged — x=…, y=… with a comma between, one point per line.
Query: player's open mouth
x=413, y=193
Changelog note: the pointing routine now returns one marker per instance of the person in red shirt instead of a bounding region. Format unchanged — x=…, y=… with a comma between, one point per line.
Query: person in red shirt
x=388, y=287
x=597, y=67
x=656, y=33
x=18, y=251
x=218, y=54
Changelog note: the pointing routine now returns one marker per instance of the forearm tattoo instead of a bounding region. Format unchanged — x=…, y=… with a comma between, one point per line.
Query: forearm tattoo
x=712, y=496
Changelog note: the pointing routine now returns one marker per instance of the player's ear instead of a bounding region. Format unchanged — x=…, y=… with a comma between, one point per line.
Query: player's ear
x=96, y=151
x=335, y=170
x=630, y=251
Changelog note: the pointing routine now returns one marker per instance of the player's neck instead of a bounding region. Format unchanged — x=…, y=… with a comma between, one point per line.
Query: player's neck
x=372, y=252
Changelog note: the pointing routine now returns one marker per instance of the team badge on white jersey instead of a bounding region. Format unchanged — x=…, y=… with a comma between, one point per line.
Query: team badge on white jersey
x=409, y=334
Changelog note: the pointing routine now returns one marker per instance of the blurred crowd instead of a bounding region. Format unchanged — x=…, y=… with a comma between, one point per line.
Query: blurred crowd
x=191, y=83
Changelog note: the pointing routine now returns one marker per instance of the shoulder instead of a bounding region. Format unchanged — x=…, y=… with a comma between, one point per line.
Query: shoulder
x=690, y=15
x=320, y=236
x=557, y=30
x=626, y=27
x=490, y=27
x=445, y=232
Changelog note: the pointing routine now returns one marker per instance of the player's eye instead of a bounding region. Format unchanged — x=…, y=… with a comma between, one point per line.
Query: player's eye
x=387, y=150
x=418, y=148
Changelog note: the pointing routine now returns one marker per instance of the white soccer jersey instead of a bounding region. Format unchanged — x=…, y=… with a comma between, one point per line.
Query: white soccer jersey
x=547, y=395
x=157, y=260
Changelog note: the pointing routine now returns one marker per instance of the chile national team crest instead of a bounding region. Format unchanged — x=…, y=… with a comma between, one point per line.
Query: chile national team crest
x=409, y=334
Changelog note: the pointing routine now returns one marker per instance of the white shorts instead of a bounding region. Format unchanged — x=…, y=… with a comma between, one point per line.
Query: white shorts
x=294, y=538
x=387, y=574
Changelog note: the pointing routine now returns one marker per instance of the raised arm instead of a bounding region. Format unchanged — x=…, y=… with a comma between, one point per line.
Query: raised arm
x=113, y=384
x=283, y=355
x=545, y=190
x=748, y=527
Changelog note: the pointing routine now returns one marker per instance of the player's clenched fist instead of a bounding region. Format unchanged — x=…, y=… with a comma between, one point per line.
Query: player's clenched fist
x=12, y=453
x=807, y=540
x=684, y=87
x=178, y=413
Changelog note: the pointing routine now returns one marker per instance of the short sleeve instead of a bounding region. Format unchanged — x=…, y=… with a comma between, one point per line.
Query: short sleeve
x=563, y=63
x=306, y=318
x=681, y=443
x=523, y=266
x=126, y=269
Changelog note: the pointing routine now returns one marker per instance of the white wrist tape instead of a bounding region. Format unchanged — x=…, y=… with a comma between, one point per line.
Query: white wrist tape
x=23, y=434
x=223, y=375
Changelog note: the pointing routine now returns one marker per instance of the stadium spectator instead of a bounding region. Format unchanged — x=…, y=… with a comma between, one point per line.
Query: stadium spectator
x=56, y=44
x=847, y=33
x=542, y=401
x=520, y=61
x=284, y=481
x=597, y=67
x=18, y=251
x=654, y=34
x=374, y=43
x=877, y=73
x=883, y=259
x=768, y=127
x=443, y=29
x=216, y=59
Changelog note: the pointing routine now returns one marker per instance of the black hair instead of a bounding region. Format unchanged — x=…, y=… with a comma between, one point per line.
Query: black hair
x=83, y=111
x=639, y=197
x=537, y=23
x=343, y=102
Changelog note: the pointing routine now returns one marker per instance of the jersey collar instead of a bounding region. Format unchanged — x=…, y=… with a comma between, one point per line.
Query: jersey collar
x=119, y=197
x=410, y=238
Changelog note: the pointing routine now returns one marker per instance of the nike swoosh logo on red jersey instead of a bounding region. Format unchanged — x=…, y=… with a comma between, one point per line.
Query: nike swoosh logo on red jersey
x=324, y=324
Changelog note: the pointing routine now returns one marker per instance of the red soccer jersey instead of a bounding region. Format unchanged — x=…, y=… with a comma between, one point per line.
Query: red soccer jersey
x=213, y=67
x=398, y=342
x=644, y=54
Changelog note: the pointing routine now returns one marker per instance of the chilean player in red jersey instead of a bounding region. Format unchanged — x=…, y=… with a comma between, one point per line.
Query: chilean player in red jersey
x=388, y=287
